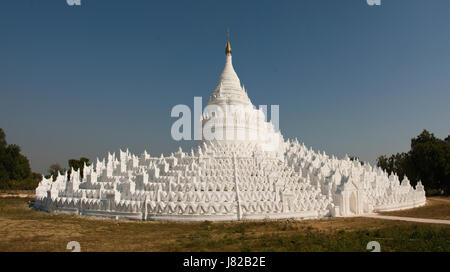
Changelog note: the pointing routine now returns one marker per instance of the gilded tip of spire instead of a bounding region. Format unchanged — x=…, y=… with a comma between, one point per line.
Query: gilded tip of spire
x=228, y=48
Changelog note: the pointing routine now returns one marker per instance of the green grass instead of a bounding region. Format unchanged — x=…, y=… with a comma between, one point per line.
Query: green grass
x=436, y=208
x=24, y=229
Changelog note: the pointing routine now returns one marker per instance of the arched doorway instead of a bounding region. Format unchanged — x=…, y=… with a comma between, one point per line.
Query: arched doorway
x=352, y=203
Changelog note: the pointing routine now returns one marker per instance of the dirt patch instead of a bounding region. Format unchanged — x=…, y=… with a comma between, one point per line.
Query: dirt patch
x=2, y=195
x=17, y=194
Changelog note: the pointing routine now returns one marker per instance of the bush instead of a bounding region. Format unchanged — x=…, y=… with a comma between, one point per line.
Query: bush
x=27, y=184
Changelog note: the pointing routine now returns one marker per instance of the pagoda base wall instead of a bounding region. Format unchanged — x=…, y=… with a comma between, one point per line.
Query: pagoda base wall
x=181, y=217
x=400, y=206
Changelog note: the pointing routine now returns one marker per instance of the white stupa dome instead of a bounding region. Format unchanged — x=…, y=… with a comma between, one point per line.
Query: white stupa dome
x=229, y=178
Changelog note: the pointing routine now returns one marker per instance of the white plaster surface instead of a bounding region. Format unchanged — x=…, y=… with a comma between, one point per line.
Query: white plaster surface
x=229, y=179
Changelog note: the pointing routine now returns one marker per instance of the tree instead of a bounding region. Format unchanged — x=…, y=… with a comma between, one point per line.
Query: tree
x=430, y=159
x=54, y=169
x=2, y=139
x=13, y=165
x=74, y=164
x=79, y=164
x=427, y=161
x=397, y=163
x=4, y=175
x=16, y=164
x=355, y=158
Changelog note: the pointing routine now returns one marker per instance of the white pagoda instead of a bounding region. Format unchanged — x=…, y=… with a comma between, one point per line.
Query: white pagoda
x=240, y=176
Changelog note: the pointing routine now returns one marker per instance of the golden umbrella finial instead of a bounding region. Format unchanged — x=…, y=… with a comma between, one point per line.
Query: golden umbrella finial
x=228, y=48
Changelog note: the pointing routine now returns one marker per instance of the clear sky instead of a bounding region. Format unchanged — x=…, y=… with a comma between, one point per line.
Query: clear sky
x=349, y=78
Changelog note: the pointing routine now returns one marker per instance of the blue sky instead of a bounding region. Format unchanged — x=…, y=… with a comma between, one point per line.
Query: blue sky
x=349, y=78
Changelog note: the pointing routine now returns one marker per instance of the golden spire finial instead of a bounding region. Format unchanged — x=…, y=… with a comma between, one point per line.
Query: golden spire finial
x=228, y=48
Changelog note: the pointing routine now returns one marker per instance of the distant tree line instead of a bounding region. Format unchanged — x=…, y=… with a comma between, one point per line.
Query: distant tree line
x=74, y=164
x=427, y=161
x=355, y=158
x=15, y=170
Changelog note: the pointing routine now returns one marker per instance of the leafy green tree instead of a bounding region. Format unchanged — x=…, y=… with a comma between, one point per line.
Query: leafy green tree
x=4, y=176
x=398, y=163
x=79, y=164
x=13, y=165
x=54, y=169
x=430, y=159
x=2, y=139
x=427, y=161
x=383, y=162
x=355, y=158
x=16, y=164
